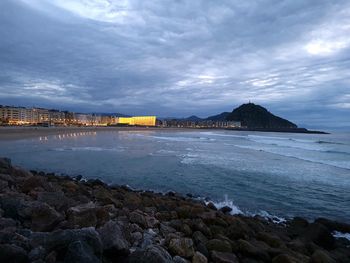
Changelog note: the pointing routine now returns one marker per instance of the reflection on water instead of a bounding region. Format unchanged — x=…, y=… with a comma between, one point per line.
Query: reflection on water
x=67, y=135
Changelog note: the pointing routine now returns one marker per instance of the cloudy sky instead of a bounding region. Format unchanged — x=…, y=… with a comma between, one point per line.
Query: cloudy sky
x=179, y=57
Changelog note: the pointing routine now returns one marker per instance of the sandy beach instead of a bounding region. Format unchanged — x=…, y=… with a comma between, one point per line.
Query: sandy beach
x=17, y=133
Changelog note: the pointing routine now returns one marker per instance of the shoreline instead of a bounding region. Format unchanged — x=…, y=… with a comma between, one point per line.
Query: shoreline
x=21, y=132
x=49, y=218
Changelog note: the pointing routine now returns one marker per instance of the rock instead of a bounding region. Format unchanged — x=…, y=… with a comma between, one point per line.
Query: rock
x=20, y=173
x=178, y=259
x=270, y=239
x=5, y=163
x=79, y=252
x=182, y=247
x=114, y=239
x=3, y=186
x=320, y=235
x=320, y=256
x=54, y=199
x=222, y=257
x=238, y=229
x=138, y=218
x=199, y=258
x=225, y=209
x=43, y=217
x=165, y=229
x=333, y=225
x=82, y=215
x=219, y=245
x=12, y=253
x=37, y=253
x=7, y=222
x=200, y=247
x=12, y=206
x=34, y=182
x=284, y=258
x=211, y=206
x=60, y=239
x=151, y=254
x=199, y=225
x=198, y=237
x=249, y=250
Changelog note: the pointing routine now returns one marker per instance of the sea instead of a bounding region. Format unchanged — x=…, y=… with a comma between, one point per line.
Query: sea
x=274, y=175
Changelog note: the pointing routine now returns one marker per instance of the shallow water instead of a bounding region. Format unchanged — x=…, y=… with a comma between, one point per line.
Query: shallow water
x=259, y=173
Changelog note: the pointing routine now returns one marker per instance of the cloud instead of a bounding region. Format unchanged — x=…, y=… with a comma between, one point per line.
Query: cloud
x=177, y=58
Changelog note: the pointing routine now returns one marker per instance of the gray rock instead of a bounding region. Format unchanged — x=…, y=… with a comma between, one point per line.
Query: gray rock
x=178, y=259
x=138, y=218
x=82, y=215
x=219, y=245
x=151, y=254
x=114, y=239
x=80, y=252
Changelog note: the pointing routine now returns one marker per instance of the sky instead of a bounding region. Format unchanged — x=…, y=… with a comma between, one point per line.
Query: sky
x=179, y=58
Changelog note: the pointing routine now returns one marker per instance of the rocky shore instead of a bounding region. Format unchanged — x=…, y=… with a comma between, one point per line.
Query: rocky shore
x=50, y=218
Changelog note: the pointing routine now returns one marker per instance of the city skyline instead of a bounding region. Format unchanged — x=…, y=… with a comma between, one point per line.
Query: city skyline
x=179, y=58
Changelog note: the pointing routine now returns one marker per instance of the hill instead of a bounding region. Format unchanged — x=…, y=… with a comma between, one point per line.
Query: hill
x=257, y=117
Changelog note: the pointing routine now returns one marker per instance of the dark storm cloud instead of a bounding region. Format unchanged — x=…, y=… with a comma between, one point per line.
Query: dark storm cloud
x=175, y=58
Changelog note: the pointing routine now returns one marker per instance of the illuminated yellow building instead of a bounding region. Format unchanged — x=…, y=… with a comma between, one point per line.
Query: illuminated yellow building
x=138, y=120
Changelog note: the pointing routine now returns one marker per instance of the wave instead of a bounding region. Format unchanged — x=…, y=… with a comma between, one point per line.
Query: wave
x=93, y=149
x=337, y=234
x=237, y=211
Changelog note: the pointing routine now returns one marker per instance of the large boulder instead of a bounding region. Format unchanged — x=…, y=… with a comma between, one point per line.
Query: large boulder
x=151, y=254
x=114, y=238
x=334, y=225
x=36, y=182
x=182, y=247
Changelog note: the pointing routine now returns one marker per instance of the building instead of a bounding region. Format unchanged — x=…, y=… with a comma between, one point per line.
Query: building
x=138, y=121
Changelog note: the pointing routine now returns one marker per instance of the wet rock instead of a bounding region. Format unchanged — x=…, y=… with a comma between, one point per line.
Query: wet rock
x=219, y=245
x=37, y=253
x=199, y=258
x=114, y=239
x=222, y=257
x=151, y=254
x=225, y=209
x=249, y=250
x=211, y=206
x=334, y=225
x=12, y=253
x=320, y=235
x=80, y=252
x=320, y=256
x=182, y=247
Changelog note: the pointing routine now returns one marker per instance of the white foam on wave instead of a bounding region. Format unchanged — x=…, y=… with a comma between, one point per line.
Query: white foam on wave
x=237, y=211
x=337, y=234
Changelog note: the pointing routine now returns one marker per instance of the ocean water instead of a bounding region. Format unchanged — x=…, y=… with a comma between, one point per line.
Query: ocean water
x=271, y=174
